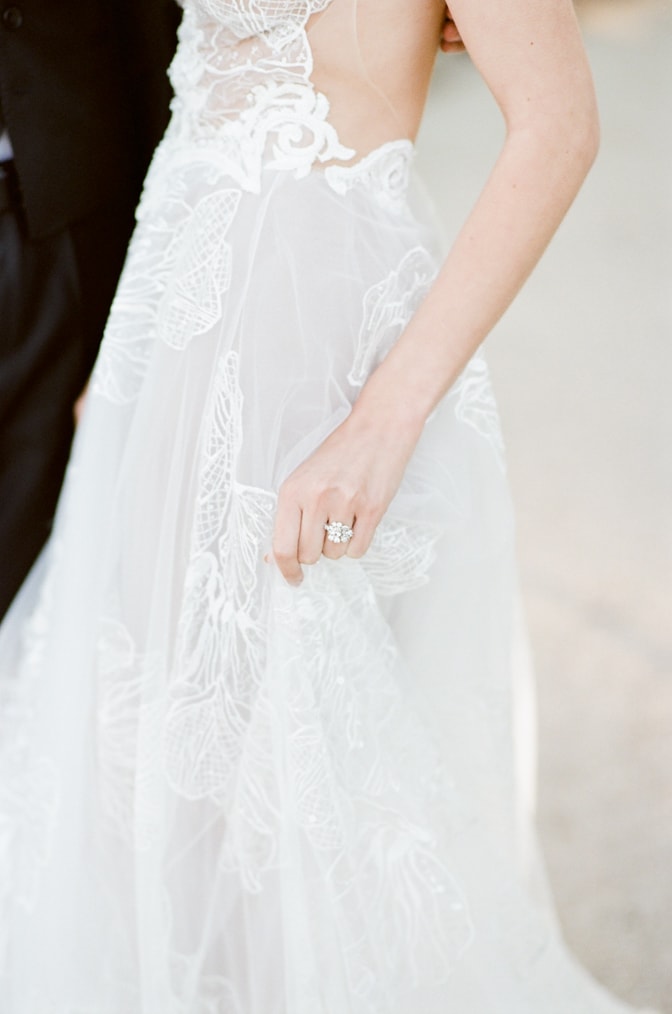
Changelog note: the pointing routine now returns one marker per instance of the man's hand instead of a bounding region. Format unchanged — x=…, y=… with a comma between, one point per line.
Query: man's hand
x=451, y=40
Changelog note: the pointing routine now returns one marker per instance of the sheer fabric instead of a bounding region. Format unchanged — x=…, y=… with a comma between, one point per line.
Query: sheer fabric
x=220, y=795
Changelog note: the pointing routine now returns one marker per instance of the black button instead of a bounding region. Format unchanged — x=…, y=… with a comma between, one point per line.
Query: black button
x=12, y=17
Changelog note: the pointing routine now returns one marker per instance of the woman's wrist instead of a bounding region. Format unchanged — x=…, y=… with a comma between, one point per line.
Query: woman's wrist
x=390, y=409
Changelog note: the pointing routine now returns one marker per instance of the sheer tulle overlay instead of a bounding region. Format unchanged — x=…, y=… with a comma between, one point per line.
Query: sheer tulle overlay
x=220, y=795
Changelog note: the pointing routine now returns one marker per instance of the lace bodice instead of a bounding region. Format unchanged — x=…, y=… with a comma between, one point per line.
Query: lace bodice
x=243, y=85
x=247, y=18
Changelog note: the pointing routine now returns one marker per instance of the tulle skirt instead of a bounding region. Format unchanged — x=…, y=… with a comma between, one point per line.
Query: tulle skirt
x=220, y=794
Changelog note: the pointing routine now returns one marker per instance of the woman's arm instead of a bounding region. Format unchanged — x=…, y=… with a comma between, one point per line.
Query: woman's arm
x=531, y=56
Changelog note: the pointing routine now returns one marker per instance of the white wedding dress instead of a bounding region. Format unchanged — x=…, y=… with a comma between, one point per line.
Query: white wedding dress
x=219, y=794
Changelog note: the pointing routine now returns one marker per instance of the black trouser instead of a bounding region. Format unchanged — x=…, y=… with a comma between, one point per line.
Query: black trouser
x=54, y=297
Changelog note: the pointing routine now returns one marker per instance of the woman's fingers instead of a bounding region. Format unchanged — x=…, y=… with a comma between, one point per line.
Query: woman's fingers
x=286, y=539
x=340, y=486
x=311, y=537
x=363, y=530
x=300, y=537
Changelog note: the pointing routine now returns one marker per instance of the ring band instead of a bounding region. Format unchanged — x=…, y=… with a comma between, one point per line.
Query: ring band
x=338, y=532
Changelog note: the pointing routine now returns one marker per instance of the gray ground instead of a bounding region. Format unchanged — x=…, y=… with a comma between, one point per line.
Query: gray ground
x=583, y=367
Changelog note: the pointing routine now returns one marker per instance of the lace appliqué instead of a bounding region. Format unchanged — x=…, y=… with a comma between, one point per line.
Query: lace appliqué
x=242, y=78
x=476, y=406
x=176, y=276
x=29, y=783
x=216, y=994
x=384, y=174
x=200, y=272
x=127, y=681
x=364, y=780
x=220, y=638
x=283, y=18
x=401, y=555
x=388, y=308
x=124, y=353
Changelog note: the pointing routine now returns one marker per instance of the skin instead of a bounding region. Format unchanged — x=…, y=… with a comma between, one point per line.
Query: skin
x=373, y=60
x=451, y=40
x=530, y=54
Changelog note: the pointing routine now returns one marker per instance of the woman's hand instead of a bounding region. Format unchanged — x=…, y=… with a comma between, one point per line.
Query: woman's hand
x=351, y=478
x=451, y=40
x=78, y=407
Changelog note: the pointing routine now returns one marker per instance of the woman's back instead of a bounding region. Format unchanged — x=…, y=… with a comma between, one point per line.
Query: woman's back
x=373, y=60
x=319, y=76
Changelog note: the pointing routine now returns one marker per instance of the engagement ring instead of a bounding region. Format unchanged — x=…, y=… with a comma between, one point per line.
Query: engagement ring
x=338, y=532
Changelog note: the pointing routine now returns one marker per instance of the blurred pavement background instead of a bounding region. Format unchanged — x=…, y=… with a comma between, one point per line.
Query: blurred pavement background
x=582, y=366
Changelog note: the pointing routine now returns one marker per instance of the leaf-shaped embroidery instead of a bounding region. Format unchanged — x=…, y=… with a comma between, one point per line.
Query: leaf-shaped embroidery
x=388, y=307
x=476, y=404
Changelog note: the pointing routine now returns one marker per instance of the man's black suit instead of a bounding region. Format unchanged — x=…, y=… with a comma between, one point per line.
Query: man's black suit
x=84, y=94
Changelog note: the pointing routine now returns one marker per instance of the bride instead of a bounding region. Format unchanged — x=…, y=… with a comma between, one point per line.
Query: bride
x=256, y=749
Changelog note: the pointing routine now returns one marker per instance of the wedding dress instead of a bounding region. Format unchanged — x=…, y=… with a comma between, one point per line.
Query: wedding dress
x=220, y=794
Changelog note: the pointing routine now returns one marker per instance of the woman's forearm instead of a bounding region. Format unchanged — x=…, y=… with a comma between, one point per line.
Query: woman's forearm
x=533, y=183
x=531, y=56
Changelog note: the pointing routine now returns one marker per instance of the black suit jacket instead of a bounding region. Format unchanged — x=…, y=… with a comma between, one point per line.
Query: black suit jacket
x=85, y=98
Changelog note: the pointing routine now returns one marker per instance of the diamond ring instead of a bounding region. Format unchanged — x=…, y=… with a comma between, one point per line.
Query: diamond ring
x=338, y=532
